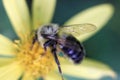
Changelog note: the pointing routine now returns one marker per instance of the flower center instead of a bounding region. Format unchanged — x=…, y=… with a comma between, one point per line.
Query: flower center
x=35, y=61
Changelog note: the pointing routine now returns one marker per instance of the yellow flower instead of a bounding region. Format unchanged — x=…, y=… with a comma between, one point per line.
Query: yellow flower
x=17, y=61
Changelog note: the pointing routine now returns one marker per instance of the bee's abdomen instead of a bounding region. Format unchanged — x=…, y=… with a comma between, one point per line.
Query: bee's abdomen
x=73, y=49
x=76, y=56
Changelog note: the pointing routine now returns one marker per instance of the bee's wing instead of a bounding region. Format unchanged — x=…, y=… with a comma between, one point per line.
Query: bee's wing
x=77, y=29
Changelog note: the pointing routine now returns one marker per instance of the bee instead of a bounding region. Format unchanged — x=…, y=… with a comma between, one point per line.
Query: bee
x=63, y=37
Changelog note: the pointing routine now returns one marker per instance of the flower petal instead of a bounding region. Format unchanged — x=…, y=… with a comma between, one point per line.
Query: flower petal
x=7, y=48
x=19, y=16
x=5, y=61
x=10, y=72
x=42, y=11
x=53, y=76
x=27, y=76
x=50, y=76
x=98, y=15
x=89, y=69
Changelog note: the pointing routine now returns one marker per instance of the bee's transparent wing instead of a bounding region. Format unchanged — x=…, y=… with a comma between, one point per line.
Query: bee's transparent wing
x=77, y=29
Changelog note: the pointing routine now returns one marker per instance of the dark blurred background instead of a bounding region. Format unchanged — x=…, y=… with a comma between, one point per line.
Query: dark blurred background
x=103, y=46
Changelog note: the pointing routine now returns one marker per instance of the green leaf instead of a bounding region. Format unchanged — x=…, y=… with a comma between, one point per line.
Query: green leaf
x=98, y=15
x=42, y=12
x=18, y=14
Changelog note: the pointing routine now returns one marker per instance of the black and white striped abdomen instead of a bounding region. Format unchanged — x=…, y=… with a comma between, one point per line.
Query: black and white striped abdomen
x=73, y=49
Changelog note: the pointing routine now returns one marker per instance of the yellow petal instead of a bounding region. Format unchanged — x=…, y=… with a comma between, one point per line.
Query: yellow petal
x=27, y=76
x=7, y=48
x=50, y=76
x=42, y=11
x=10, y=72
x=5, y=61
x=19, y=16
x=98, y=15
x=53, y=76
x=89, y=69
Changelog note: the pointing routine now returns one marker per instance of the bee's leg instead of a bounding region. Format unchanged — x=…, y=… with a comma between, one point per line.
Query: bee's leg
x=47, y=43
x=57, y=60
x=34, y=40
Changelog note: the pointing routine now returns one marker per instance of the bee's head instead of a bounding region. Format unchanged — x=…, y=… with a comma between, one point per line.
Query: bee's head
x=48, y=30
